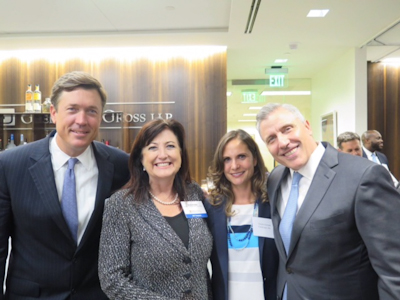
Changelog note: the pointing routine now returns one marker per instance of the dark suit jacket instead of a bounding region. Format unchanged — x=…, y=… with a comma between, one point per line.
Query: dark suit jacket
x=382, y=157
x=345, y=239
x=45, y=262
x=217, y=222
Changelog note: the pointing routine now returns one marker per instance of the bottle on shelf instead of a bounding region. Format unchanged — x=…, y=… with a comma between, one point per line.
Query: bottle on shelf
x=46, y=105
x=29, y=99
x=37, y=100
x=11, y=144
x=22, y=140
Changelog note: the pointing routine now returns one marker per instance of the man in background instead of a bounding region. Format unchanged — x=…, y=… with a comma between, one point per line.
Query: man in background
x=335, y=216
x=372, y=145
x=349, y=142
x=52, y=194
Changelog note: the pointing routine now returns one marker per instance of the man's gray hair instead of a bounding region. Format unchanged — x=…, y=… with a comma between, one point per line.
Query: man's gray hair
x=267, y=109
x=345, y=137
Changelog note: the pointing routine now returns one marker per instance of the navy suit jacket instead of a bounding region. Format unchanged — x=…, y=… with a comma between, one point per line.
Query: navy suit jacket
x=217, y=222
x=345, y=239
x=45, y=261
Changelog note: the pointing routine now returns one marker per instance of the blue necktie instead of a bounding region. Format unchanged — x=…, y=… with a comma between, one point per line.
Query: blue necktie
x=286, y=225
x=68, y=199
x=374, y=158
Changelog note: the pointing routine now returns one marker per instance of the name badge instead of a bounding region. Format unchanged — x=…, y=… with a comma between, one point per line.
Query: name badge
x=262, y=227
x=194, y=209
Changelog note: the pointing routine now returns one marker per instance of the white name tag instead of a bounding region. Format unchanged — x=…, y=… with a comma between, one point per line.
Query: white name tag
x=262, y=227
x=194, y=209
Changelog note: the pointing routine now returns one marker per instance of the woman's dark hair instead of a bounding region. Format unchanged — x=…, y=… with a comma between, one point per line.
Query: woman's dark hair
x=138, y=184
x=223, y=187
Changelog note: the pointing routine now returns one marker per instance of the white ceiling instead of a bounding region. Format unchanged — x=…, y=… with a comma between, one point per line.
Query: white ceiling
x=104, y=23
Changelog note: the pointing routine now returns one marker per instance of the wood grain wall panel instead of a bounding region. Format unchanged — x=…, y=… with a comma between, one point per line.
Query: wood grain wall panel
x=190, y=91
x=384, y=109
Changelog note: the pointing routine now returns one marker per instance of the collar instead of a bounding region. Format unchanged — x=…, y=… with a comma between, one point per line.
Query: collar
x=309, y=169
x=368, y=153
x=60, y=158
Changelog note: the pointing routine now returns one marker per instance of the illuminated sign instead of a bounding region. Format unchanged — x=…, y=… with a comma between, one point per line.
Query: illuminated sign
x=276, y=80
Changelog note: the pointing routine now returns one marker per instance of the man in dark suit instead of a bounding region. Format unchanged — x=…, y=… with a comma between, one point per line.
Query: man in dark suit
x=349, y=142
x=54, y=253
x=372, y=145
x=343, y=241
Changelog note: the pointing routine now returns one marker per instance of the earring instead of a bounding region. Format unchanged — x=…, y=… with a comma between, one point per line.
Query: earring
x=144, y=170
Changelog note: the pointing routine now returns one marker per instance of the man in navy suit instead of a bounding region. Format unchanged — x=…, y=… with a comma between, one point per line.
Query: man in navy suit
x=49, y=259
x=344, y=213
x=372, y=145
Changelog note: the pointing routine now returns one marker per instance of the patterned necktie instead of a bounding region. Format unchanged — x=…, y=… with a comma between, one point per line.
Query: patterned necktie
x=286, y=225
x=374, y=158
x=68, y=199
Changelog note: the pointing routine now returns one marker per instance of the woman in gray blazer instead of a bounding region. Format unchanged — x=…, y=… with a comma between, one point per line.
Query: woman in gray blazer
x=148, y=248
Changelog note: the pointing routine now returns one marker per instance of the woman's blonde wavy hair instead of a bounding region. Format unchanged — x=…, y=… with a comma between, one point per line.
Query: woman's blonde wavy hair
x=222, y=186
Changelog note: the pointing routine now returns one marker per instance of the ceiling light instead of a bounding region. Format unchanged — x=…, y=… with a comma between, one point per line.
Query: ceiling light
x=280, y=60
x=317, y=13
x=255, y=107
x=391, y=61
x=249, y=115
x=228, y=94
x=247, y=121
x=285, y=93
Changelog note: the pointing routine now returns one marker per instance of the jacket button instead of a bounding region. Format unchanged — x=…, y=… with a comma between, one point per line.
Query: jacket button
x=289, y=270
x=187, y=292
x=187, y=275
x=187, y=260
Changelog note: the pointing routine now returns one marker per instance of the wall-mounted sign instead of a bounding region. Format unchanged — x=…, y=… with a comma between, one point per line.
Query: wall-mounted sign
x=250, y=96
x=277, y=80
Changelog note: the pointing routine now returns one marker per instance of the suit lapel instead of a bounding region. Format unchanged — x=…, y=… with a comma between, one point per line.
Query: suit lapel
x=220, y=239
x=104, y=184
x=42, y=175
x=322, y=180
x=274, y=192
x=153, y=217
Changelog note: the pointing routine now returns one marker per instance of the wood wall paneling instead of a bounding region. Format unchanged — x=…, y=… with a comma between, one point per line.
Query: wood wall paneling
x=192, y=92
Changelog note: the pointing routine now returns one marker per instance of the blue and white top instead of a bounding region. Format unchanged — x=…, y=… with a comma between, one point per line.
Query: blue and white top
x=245, y=279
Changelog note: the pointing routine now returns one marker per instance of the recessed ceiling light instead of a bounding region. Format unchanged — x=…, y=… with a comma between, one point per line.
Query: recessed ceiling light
x=285, y=93
x=280, y=60
x=317, y=13
x=249, y=115
x=255, y=107
x=247, y=121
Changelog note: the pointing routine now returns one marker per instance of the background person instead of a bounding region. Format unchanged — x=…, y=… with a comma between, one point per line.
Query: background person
x=148, y=248
x=244, y=266
x=54, y=254
x=344, y=214
x=349, y=142
x=373, y=144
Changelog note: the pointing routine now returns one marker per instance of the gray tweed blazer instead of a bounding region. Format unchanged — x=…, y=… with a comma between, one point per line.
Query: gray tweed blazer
x=141, y=256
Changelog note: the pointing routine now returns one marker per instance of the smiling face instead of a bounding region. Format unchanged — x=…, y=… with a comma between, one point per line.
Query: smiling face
x=77, y=119
x=288, y=139
x=376, y=141
x=239, y=164
x=162, y=157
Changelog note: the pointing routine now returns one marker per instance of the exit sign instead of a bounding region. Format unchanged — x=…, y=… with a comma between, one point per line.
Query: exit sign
x=276, y=80
x=250, y=96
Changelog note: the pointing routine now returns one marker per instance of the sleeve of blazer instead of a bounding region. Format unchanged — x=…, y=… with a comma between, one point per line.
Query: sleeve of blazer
x=377, y=213
x=5, y=225
x=114, y=256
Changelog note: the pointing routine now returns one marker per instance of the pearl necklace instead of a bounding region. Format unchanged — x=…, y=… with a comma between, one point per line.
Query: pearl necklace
x=163, y=202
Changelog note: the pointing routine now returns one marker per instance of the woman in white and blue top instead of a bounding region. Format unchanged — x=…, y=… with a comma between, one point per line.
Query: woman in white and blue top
x=244, y=258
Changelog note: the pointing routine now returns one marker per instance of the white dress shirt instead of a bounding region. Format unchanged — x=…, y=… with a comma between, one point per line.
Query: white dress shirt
x=308, y=171
x=369, y=155
x=86, y=176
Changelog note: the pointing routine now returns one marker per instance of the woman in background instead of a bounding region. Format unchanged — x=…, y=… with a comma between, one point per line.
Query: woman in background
x=244, y=266
x=148, y=248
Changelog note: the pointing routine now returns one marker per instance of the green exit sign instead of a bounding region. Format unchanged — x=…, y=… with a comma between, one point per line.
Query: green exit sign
x=250, y=96
x=277, y=80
